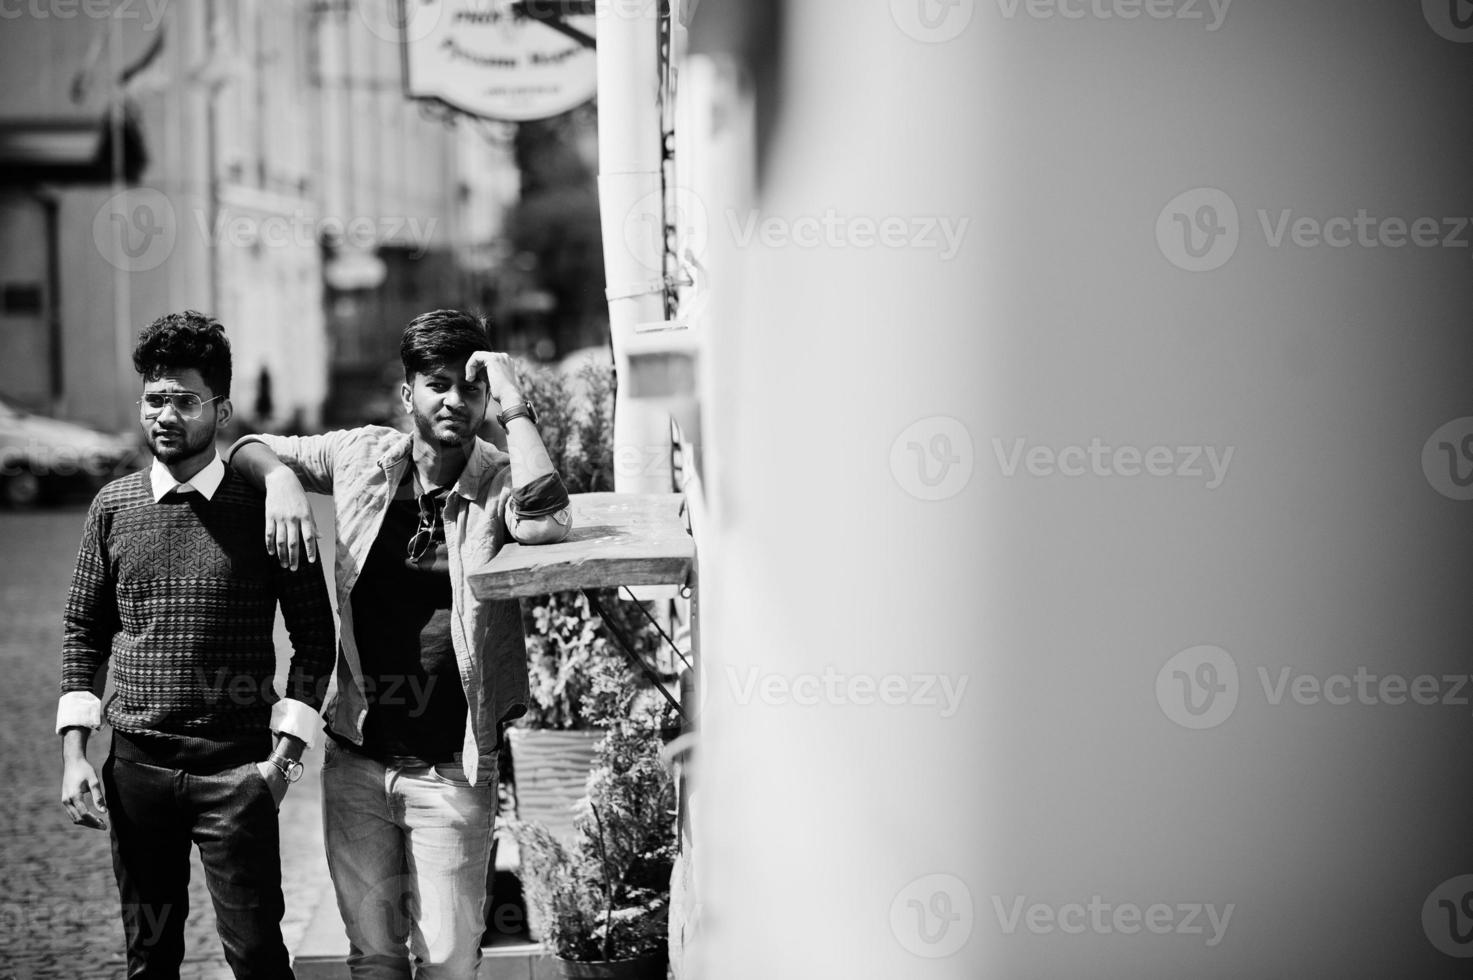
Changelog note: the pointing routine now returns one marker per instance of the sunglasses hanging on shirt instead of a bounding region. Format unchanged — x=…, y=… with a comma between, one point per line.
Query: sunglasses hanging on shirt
x=423, y=551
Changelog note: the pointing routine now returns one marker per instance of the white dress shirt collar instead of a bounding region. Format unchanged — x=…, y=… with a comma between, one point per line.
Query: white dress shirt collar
x=206, y=481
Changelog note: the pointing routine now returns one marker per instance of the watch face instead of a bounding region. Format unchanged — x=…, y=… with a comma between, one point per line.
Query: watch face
x=290, y=771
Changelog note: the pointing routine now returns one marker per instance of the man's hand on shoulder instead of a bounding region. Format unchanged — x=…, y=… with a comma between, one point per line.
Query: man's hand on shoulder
x=290, y=530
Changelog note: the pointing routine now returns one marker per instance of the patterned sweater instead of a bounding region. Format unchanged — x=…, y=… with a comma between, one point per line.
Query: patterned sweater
x=181, y=596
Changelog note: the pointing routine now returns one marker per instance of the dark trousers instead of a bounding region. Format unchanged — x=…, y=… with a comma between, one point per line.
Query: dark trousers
x=155, y=813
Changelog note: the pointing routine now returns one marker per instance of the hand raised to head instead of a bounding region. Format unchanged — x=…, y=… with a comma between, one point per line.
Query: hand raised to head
x=500, y=375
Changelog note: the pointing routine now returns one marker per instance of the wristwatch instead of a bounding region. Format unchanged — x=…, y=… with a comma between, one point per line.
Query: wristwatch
x=517, y=411
x=289, y=768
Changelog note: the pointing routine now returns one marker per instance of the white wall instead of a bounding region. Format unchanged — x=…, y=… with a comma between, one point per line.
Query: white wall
x=847, y=839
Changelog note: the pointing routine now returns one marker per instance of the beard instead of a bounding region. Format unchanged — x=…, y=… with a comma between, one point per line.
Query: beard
x=442, y=432
x=183, y=445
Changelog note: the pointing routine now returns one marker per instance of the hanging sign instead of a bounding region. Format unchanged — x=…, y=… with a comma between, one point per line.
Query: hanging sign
x=489, y=59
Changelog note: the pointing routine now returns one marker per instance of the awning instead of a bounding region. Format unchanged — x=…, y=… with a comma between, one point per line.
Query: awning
x=68, y=151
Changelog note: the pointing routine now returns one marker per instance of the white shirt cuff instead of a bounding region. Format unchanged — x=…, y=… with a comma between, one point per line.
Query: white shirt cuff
x=78, y=709
x=289, y=717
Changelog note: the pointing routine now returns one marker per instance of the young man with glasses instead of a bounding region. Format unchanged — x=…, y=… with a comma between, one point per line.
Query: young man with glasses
x=171, y=590
x=427, y=673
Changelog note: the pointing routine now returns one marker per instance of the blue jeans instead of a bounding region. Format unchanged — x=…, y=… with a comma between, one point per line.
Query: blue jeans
x=407, y=848
x=155, y=814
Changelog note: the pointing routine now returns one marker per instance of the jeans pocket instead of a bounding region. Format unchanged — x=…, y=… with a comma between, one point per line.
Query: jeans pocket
x=253, y=777
x=451, y=773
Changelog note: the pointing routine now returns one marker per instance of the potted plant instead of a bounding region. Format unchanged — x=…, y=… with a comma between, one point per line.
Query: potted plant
x=604, y=898
x=580, y=681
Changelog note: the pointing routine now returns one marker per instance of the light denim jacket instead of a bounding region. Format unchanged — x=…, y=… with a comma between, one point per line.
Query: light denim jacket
x=362, y=468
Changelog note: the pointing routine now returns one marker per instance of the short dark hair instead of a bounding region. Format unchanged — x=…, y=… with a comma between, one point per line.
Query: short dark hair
x=440, y=338
x=180, y=341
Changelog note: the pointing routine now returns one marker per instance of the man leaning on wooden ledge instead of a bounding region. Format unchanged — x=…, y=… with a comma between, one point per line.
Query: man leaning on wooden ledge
x=427, y=673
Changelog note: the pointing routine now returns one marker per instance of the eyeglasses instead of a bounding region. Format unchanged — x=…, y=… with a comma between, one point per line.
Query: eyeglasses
x=430, y=522
x=187, y=405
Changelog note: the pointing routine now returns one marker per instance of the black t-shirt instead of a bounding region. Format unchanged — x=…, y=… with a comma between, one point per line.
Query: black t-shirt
x=401, y=620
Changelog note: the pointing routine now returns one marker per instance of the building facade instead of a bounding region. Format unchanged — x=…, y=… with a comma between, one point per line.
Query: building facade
x=256, y=160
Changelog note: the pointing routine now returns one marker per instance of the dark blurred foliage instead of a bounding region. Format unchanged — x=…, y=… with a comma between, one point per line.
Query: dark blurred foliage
x=556, y=222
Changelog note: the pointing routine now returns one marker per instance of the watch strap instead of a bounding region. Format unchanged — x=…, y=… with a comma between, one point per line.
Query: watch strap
x=287, y=767
x=519, y=410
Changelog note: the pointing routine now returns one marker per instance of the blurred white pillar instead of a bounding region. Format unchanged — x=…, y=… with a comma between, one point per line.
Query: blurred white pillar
x=633, y=219
x=948, y=732
x=845, y=616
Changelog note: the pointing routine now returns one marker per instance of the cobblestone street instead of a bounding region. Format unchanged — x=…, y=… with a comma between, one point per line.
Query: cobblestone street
x=58, y=902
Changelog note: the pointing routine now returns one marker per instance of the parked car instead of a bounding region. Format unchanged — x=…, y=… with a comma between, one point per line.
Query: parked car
x=43, y=458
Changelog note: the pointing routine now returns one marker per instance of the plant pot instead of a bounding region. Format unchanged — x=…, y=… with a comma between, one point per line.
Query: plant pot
x=551, y=775
x=551, y=769
x=651, y=966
